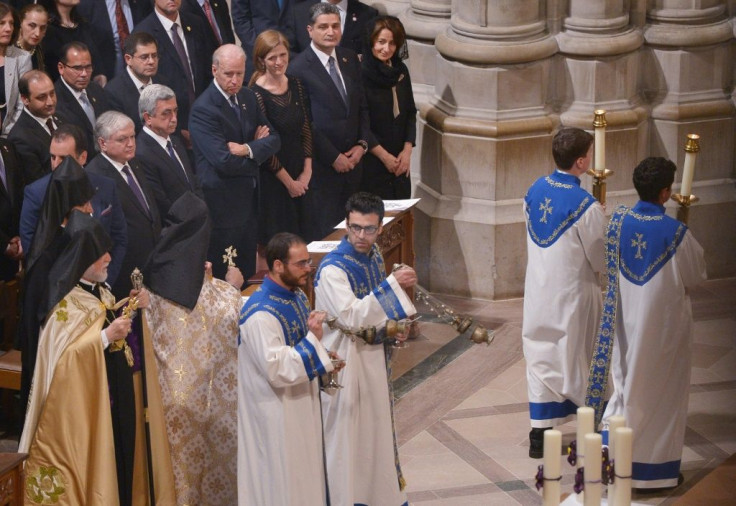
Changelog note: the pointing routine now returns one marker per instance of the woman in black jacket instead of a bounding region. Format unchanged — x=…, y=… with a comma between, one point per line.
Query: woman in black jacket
x=392, y=111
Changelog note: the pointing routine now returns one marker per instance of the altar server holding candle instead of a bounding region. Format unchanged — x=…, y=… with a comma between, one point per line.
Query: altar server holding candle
x=654, y=260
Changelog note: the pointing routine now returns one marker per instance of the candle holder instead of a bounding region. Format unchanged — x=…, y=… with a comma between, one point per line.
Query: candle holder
x=599, y=183
x=684, y=201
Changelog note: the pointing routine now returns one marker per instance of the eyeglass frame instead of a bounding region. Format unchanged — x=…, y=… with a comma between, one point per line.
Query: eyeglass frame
x=369, y=230
x=80, y=68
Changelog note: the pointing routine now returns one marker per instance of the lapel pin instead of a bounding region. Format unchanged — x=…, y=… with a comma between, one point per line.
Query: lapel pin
x=189, y=28
x=355, y=18
x=344, y=60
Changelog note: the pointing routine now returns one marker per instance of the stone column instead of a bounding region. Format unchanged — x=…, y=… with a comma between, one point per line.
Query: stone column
x=690, y=57
x=485, y=127
x=390, y=7
x=600, y=69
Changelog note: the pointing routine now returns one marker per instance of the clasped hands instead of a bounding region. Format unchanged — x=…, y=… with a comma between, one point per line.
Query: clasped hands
x=345, y=162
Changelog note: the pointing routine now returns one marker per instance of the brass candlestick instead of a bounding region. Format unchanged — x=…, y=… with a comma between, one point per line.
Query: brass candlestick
x=684, y=199
x=599, y=173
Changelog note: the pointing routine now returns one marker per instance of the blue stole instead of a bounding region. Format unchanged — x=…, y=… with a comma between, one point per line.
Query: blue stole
x=639, y=242
x=553, y=204
x=366, y=274
x=291, y=309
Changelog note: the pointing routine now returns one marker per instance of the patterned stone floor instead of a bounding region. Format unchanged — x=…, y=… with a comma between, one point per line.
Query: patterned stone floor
x=462, y=419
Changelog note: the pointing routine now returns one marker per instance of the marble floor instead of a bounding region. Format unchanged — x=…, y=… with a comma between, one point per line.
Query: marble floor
x=462, y=412
x=461, y=409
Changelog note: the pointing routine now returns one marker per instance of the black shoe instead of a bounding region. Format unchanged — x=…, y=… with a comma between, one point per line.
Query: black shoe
x=536, y=443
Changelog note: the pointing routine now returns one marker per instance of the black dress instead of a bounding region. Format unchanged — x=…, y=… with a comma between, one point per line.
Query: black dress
x=57, y=36
x=389, y=131
x=288, y=113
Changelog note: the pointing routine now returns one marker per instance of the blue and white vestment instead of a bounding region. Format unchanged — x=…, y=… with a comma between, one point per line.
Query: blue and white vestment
x=280, y=451
x=562, y=295
x=362, y=462
x=659, y=260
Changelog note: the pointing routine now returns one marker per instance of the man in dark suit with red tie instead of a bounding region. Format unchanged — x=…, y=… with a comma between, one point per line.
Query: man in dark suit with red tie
x=184, y=54
x=216, y=14
x=160, y=151
x=340, y=120
x=115, y=135
x=231, y=138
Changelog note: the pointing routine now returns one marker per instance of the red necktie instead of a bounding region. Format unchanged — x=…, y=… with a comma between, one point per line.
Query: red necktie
x=211, y=19
x=123, y=30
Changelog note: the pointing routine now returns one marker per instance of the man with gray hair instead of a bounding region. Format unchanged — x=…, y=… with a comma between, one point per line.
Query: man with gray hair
x=160, y=151
x=115, y=136
x=231, y=138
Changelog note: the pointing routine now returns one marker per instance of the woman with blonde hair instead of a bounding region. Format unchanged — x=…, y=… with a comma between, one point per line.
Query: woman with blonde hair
x=285, y=176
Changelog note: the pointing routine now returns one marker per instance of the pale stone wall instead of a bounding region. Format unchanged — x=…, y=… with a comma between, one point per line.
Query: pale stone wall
x=495, y=79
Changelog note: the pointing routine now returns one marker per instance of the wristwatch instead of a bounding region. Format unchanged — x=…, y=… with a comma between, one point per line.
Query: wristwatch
x=363, y=145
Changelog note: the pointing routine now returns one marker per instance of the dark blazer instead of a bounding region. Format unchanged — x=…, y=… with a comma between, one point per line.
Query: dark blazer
x=123, y=96
x=95, y=13
x=221, y=13
x=68, y=108
x=229, y=182
x=143, y=231
x=336, y=128
x=170, y=68
x=10, y=203
x=164, y=174
x=106, y=209
x=251, y=17
x=32, y=143
x=357, y=17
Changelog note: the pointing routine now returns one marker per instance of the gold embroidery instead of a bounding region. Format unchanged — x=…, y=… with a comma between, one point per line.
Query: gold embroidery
x=545, y=208
x=561, y=226
x=661, y=258
x=638, y=244
x=45, y=486
x=556, y=184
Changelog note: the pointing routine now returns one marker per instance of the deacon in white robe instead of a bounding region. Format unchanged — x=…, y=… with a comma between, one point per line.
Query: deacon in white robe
x=362, y=457
x=659, y=261
x=280, y=450
x=562, y=295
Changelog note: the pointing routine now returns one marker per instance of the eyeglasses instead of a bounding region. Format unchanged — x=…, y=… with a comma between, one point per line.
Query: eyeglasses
x=369, y=230
x=80, y=68
x=302, y=264
x=146, y=57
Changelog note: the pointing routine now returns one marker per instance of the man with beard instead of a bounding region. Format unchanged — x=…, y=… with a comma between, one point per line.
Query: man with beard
x=279, y=357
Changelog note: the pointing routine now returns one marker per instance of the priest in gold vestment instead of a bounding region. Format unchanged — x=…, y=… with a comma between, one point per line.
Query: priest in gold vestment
x=193, y=321
x=68, y=430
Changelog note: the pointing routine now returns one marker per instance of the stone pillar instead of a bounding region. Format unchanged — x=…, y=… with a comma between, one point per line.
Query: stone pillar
x=600, y=69
x=690, y=57
x=484, y=137
x=390, y=7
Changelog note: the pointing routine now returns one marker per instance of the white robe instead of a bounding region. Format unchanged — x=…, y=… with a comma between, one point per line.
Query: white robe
x=358, y=424
x=280, y=452
x=651, y=363
x=562, y=306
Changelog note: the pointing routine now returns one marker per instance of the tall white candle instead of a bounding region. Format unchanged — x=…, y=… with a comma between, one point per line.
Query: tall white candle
x=593, y=485
x=599, y=125
x=614, y=422
x=622, y=463
x=552, y=448
x=687, y=174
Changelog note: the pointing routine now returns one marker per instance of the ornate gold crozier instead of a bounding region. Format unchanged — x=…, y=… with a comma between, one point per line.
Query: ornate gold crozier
x=692, y=147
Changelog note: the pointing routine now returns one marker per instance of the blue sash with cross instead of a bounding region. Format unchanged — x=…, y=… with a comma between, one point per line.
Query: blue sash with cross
x=639, y=242
x=553, y=204
x=291, y=309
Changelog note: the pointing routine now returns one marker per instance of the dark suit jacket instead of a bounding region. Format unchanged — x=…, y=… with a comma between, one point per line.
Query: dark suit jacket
x=170, y=68
x=143, y=232
x=68, y=108
x=353, y=34
x=222, y=17
x=251, y=17
x=95, y=12
x=32, y=143
x=163, y=173
x=123, y=96
x=10, y=203
x=336, y=128
x=106, y=209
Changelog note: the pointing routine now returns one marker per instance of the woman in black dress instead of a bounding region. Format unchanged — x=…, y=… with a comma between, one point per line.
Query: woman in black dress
x=34, y=20
x=392, y=111
x=285, y=176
